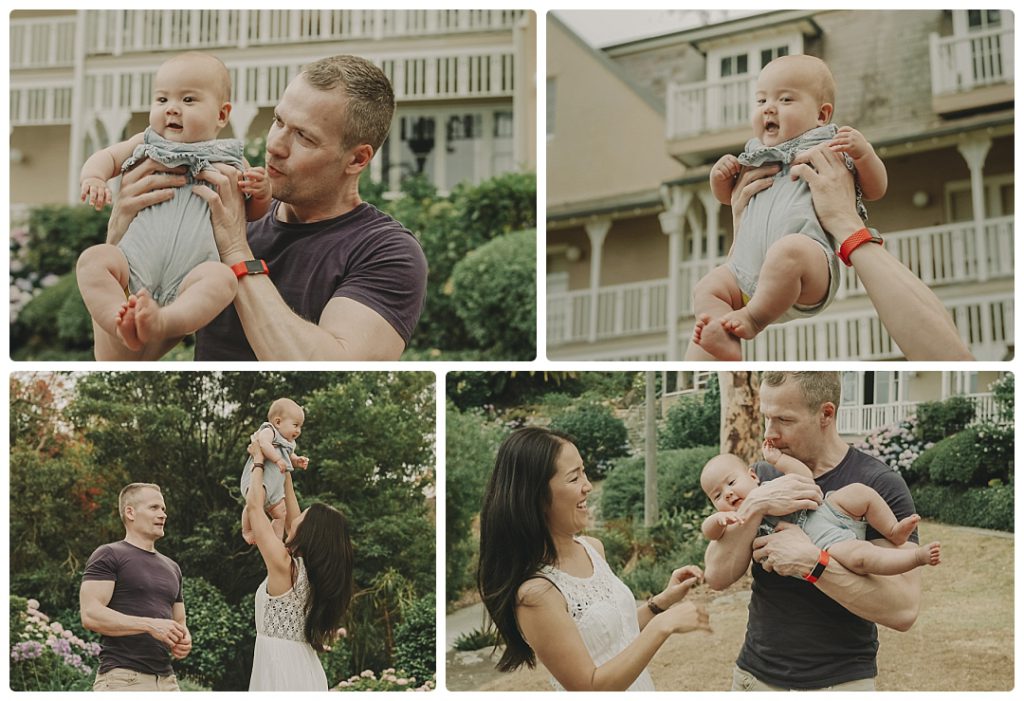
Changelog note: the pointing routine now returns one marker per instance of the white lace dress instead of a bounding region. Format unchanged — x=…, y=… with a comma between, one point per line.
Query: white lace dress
x=604, y=611
x=283, y=660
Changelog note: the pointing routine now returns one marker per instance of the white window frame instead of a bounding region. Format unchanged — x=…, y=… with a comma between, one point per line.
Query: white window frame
x=993, y=201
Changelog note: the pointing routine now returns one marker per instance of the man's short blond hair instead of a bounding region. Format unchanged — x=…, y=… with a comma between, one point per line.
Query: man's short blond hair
x=129, y=496
x=817, y=388
x=371, y=100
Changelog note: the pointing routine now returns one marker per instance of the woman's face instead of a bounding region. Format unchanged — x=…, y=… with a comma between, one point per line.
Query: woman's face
x=568, y=512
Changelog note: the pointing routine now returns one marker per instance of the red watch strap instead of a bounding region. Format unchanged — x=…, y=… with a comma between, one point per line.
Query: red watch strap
x=852, y=241
x=250, y=267
x=819, y=568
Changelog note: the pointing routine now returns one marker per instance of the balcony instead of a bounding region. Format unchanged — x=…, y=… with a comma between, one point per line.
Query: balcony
x=867, y=418
x=972, y=72
x=941, y=256
x=43, y=43
x=704, y=120
x=45, y=103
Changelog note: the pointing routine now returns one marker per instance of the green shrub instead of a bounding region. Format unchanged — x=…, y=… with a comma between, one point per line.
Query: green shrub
x=973, y=457
x=218, y=632
x=497, y=206
x=674, y=542
x=599, y=435
x=337, y=662
x=979, y=507
x=416, y=637
x=57, y=235
x=1002, y=391
x=936, y=420
x=54, y=325
x=679, y=489
x=477, y=639
x=44, y=655
x=693, y=420
x=494, y=294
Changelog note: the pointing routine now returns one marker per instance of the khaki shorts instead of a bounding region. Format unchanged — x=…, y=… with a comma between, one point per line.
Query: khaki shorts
x=122, y=679
x=745, y=681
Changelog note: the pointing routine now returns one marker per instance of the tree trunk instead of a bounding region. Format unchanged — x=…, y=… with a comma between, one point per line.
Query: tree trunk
x=650, y=456
x=742, y=428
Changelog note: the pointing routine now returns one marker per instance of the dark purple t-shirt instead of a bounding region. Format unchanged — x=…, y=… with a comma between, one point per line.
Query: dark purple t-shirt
x=146, y=584
x=799, y=638
x=363, y=255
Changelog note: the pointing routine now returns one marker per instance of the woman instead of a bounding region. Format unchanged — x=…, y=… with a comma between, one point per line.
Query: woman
x=301, y=603
x=549, y=591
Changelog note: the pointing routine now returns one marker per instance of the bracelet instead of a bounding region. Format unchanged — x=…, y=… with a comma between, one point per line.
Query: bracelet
x=257, y=464
x=819, y=567
x=655, y=609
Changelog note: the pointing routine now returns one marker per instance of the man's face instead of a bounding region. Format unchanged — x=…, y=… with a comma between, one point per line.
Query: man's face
x=147, y=515
x=789, y=423
x=305, y=159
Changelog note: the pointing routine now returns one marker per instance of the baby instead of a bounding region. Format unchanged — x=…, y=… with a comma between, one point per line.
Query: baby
x=783, y=264
x=277, y=441
x=164, y=279
x=837, y=525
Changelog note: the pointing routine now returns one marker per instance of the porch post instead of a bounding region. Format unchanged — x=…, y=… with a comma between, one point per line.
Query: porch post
x=676, y=202
x=974, y=152
x=597, y=230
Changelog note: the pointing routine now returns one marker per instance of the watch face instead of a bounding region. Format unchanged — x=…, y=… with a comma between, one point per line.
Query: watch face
x=255, y=267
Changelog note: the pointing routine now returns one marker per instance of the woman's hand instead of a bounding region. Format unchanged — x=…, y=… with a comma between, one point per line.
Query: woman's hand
x=684, y=618
x=679, y=585
x=145, y=185
x=254, y=448
x=749, y=183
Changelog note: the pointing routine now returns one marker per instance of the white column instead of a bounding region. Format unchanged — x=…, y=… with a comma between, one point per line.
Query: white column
x=597, y=230
x=672, y=221
x=974, y=152
x=712, y=207
x=79, y=117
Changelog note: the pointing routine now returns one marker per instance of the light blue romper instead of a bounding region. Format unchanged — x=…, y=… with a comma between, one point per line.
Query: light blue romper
x=166, y=241
x=825, y=526
x=273, y=479
x=784, y=208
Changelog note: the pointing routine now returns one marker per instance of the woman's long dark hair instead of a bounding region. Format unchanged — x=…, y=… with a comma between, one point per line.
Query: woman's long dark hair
x=514, y=536
x=322, y=541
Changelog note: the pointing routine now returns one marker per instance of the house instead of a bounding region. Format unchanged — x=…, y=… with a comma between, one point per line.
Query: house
x=932, y=90
x=463, y=81
x=874, y=399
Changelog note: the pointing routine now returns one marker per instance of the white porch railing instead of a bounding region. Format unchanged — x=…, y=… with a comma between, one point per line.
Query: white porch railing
x=950, y=254
x=695, y=108
x=41, y=104
x=125, y=31
x=865, y=418
x=43, y=43
x=964, y=62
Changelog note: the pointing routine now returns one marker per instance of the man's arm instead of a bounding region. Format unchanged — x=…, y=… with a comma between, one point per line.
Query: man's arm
x=181, y=649
x=911, y=313
x=97, y=616
x=892, y=601
x=348, y=330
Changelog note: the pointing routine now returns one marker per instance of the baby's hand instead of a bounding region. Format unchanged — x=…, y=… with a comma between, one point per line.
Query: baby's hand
x=726, y=169
x=254, y=182
x=728, y=518
x=300, y=461
x=282, y=465
x=849, y=140
x=771, y=453
x=96, y=193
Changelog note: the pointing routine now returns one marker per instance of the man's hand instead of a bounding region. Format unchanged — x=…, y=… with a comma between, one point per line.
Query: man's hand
x=167, y=631
x=783, y=495
x=832, y=189
x=180, y=650
x=787, y=552
x=145, y=185
x=227, y=212
x=749, y=183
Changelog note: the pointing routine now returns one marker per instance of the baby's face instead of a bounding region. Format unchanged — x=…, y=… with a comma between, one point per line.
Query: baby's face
x=727, y=483
x=188, y=101
x=289, y=423
x=785, y=103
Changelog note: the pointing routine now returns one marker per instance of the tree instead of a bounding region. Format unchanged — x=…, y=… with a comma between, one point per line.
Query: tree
x=741, y=426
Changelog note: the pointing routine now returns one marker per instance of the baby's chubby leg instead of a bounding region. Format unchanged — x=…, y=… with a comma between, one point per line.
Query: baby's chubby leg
x=204, y=292
x=864, y=557
x=795, y=271
x=102, y=273
x=715, y=295
x=860, y=501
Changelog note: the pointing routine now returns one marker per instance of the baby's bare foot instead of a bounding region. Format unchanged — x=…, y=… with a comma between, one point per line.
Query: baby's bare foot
x=742, y=324
x=702, y=321
x=929, y=554
x=902, y=530
x=148, y=318
x=124, y=325
x=714, y=339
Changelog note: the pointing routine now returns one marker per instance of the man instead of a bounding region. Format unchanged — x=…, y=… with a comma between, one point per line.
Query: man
x=132, y=596
x=324, y=275
x=811, y=622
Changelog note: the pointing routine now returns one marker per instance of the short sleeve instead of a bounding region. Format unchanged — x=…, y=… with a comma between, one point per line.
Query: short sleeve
x=391, y=280
x=102, y=566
